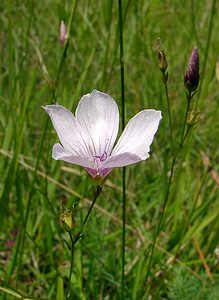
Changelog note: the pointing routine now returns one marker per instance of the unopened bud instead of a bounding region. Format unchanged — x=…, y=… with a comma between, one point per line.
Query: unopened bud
x=191, y=77
x=162, y=60
x=193, y=117
x=66, y=220
x=62, y=34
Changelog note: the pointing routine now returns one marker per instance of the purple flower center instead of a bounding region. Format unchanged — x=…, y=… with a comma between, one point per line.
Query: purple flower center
x=100, y=159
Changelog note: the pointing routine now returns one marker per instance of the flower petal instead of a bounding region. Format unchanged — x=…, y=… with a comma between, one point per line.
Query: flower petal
x=69, y=131
x=138, y=134
x=120, y=160
x=98, y=116
x=59, y=153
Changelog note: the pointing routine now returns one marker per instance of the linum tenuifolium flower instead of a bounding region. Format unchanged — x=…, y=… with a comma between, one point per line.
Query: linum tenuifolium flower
x=87, y=139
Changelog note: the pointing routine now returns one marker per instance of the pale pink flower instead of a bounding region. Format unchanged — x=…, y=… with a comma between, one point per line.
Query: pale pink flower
x=87, y=138
x=62, y=33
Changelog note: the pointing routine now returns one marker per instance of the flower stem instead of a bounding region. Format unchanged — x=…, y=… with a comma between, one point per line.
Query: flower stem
x=97, y=193
x=182, y=141
x=42, y=140
x=68, y=294
x=169, y=113
x=64, y=52
x=189, y=98
x=209, y=34
x=123, y=126
x=78, y=237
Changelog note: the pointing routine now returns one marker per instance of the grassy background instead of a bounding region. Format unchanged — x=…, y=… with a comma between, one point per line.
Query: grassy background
x=34, y=253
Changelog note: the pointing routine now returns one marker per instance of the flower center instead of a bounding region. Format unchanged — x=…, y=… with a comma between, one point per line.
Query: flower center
x=100, y=159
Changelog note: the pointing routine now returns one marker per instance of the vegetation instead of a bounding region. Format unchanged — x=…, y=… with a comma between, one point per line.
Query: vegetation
x=171, y=249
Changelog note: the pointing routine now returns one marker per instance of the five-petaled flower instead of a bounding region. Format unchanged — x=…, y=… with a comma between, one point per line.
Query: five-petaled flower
x=87, y=138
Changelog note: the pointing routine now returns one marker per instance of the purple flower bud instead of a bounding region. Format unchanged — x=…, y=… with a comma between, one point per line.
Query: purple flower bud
x=63, y=33
x=191, y=77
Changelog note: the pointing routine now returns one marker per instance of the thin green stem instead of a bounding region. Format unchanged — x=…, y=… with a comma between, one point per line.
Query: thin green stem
x=65, y=49
x=207, y=47
x=189, y=98
x=161, y=218
x=78, y=237
x=21, y=237
x=97, y=193
x=123, y=126
x=68, y=293
x=182, y=141
x=190, y=215
x=169, y=116
x=123, y=229
x=193, y=19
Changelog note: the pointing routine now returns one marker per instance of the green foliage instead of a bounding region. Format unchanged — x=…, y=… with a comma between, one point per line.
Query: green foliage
x=35, y=190
x=186, y=286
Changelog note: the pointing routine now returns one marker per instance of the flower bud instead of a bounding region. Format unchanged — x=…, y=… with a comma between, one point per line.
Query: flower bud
x=62, y=34
x=163, y=66
x=66, y=220
x=191, y=77
x=193, y=117
x=162, y=60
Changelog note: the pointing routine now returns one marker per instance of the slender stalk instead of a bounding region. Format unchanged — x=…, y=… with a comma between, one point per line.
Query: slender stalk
x=68, y=294
x=207, y=46
x=190, y=215
x=193, y=19
x=97, y=193
x=169, y=116
x=189, y=98
x=123, y=126
x=123, y=229
x=65, y=49
x=21, y=237
x=182, y=141
x=78, y=237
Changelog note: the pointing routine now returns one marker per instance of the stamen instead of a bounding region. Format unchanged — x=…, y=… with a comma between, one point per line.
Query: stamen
x=103, y=156
x=100, y=159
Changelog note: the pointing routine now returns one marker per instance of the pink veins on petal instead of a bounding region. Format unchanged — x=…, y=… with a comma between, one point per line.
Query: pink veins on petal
x=87, y=139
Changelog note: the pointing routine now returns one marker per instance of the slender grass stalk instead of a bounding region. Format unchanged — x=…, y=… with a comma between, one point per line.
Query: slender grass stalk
x=189, y=96
x=172, y=169
x=68, y=294
x=169, y=117
x=78, y=237
x=98, y=191
x=65, y=49
x=123, y=126
x=190, y=215
x=163, y=66
x=207, y=47
x=21, y=236
x=125, y=11
x=193, y=19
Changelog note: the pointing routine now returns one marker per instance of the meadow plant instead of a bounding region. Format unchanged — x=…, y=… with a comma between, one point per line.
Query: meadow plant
x=63, y=33
x=153, y=235
x=87, y=139
x=191, y=78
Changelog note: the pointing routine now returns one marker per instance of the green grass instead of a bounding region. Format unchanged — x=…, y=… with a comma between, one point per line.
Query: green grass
x=34, y=189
